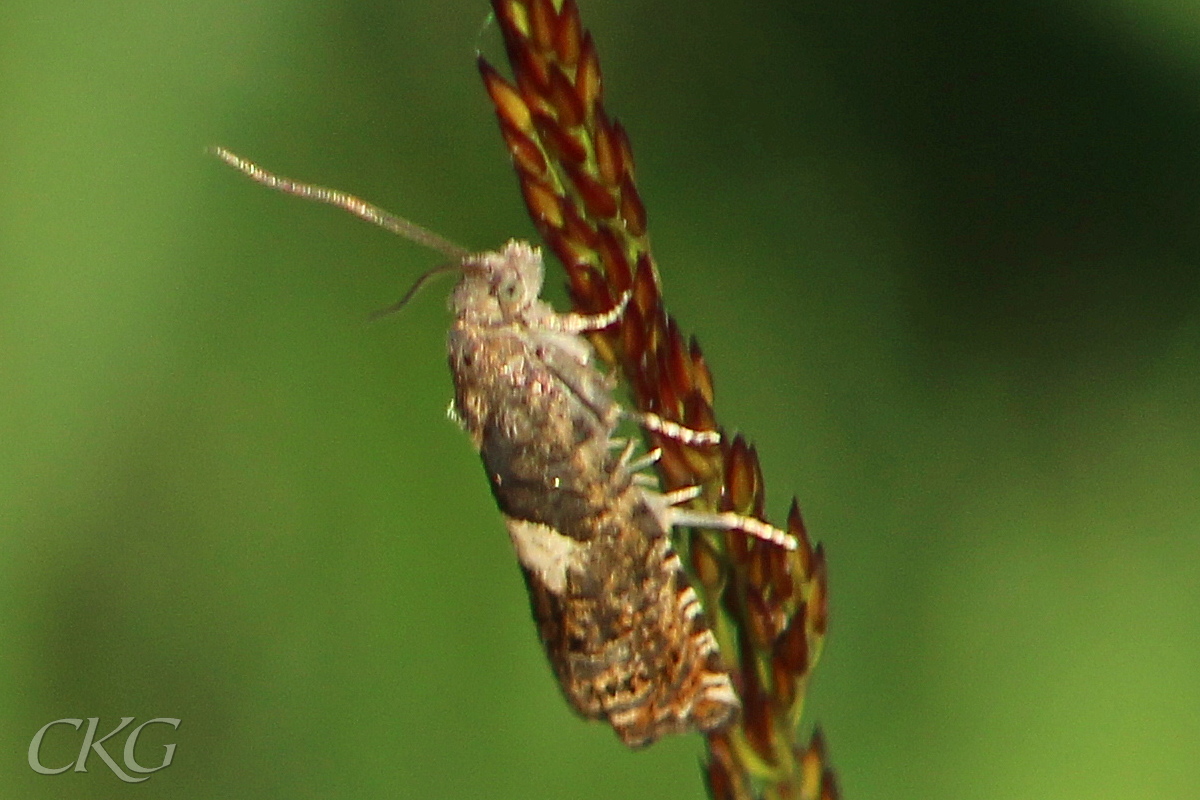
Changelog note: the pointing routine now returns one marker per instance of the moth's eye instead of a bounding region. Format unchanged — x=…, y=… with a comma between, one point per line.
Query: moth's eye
x=507, y=291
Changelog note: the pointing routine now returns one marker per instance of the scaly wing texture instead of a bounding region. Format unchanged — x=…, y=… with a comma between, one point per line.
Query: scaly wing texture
x=576, y=171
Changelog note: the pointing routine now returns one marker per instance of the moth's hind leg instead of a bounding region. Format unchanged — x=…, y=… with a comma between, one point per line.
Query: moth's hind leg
x=676, y=517
x=729, y=521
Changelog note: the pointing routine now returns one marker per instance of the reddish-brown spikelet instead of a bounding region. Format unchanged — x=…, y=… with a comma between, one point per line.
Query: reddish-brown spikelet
x=768, y=606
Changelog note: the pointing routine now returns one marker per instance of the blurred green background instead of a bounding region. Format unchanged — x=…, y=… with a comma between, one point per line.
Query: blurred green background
x=944, y=259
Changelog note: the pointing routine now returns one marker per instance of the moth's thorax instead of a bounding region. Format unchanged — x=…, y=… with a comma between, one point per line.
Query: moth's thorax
x=519, y=378
x=530, y=406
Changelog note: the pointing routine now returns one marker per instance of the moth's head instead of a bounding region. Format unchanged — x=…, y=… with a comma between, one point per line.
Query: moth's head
x=498, y=286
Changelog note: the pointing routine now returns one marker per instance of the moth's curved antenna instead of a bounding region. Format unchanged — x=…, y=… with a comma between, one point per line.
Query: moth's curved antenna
x=451, y=266
x=360, y=208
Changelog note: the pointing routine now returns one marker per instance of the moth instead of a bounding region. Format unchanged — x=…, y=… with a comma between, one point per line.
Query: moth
x=622, y=628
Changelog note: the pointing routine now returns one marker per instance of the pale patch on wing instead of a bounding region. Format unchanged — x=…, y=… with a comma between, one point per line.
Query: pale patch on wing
x=545, y=552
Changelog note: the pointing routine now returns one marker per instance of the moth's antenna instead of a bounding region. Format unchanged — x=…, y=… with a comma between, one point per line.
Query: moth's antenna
x=452, y=266
x=360, y=208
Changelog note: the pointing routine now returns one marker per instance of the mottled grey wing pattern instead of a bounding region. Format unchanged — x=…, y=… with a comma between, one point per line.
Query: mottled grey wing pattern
x=623, y=630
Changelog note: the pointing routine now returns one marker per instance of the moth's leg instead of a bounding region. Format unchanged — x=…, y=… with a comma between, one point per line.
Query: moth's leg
x=666, y=507
x=673, y=430
x=647, y=460
x=627, y=446
x=729, y=521
x=683, y=495
x=636, y=466
x=581, y=323
x=628, y=465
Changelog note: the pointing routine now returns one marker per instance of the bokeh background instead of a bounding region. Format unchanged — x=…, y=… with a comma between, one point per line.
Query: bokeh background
x=944, y=259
